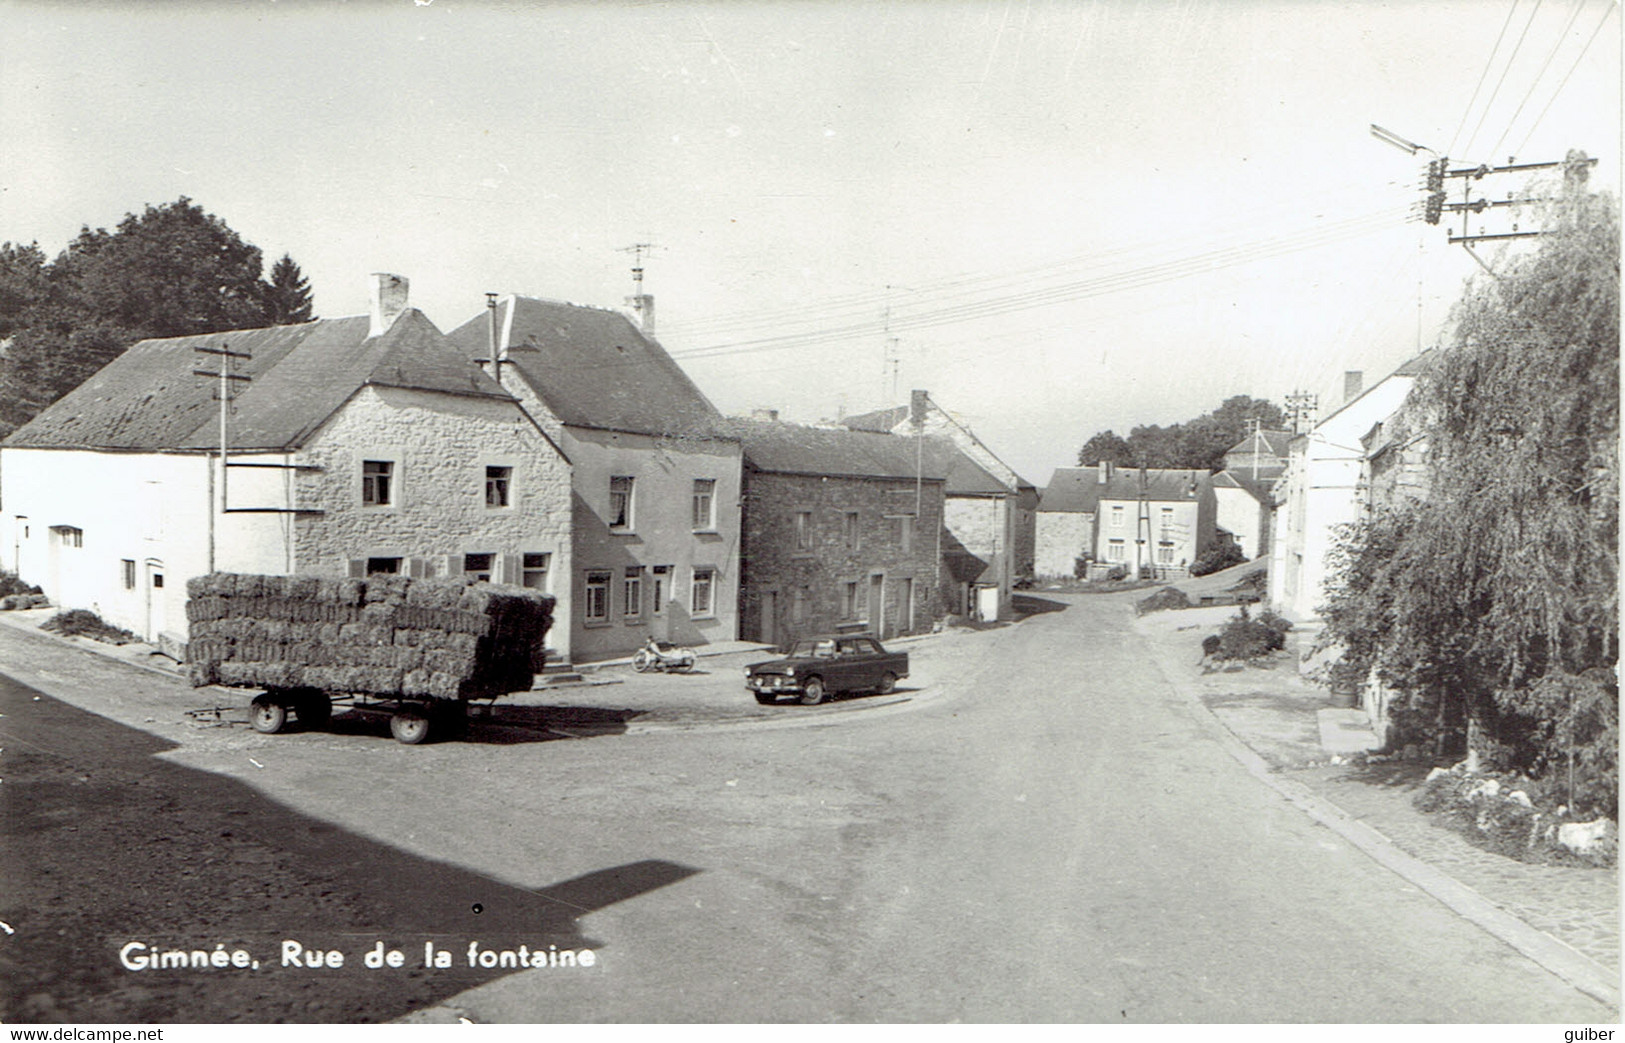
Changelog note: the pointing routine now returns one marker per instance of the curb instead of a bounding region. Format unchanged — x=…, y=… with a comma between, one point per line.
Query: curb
x=1567, y=963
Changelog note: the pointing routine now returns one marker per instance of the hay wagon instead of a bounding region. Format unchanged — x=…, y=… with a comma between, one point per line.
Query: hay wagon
x=416, y=650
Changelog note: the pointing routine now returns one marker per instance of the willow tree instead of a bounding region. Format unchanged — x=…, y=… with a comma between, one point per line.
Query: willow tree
x=1493, y=603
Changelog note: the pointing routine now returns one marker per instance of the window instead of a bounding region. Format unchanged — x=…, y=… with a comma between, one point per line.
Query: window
x=1167, y=518
x=597, y=597
x=386, y=566
x=705, y=495
x=632, y=591
x=804, y=530
x=658, y=576
x=849, y=600
x=533, y=572
x=700, y=595
x=68, y=536
x=620, y=502
x=497, y=480
x=849, y=529
x=905, y=533
x=377, y=482
x=157, y=580
x=1116, y=550
x=1117, y=516
x=1165, y=552
x=128, y=567
x=478, y=566
x=798, y=605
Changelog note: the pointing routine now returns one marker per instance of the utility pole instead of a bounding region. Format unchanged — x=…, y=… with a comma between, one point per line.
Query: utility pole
x=224, y=396
x=1301, y=408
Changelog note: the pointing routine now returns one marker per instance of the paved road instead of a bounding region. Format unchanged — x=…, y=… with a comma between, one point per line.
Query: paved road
x=1055, y=837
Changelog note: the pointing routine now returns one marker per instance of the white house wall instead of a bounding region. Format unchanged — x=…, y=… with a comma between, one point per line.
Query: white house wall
x=1323, y=491
x=1238, y=514
x=149, y=509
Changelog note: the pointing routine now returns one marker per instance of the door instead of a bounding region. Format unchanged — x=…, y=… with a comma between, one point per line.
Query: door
x=155, y=600
x=877, y=603
x=770, y=612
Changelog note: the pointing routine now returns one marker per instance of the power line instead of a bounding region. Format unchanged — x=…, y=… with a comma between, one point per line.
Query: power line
x=1556, y=45
x=1579, y=58
x=1468, y=147
x=1068, y=292
x=1481, y=77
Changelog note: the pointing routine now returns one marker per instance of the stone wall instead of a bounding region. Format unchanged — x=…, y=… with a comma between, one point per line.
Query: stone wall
x=1063, y=538
x=788, y=590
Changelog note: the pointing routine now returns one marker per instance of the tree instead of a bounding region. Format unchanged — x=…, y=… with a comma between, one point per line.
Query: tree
x=1492, y=606
x=287, y=294
x=170, y=271
x=1197, y=445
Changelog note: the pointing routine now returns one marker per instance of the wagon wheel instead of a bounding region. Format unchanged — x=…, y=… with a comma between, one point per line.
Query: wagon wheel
x=267, y=715
x=812, y=691
x=410, y=725
x=314, y=709
x=888, y=682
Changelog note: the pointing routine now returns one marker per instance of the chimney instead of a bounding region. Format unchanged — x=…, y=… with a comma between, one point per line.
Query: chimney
x=644, y=305
x=1352, y=381
x=388, y=301
x=1103, y=472
x=916, y=407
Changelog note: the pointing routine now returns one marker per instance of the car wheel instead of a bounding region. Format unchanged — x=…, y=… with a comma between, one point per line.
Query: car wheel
x=766, y=698
x=888, y=682
x=267, y=715
x=410, y=726
x=812, y=692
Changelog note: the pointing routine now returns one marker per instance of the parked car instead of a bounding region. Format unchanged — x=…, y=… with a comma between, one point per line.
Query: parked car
x=817, y=667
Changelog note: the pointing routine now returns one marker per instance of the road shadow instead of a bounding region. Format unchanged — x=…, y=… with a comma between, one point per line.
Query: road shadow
x=496, y=725
x=105, y=844
x=1024, y=605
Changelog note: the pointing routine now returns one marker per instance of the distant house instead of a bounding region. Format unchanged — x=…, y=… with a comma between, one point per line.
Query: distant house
x=1066, y=521
x=353, y=446
x=655, y=534
x=991, y=510
x=1158, y=519
x=842, y=530
x=1243, y=508
x=1260, y=457
x=1322, y=488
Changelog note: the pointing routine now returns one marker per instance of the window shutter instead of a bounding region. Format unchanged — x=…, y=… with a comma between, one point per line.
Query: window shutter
x=443, y=564
x=358, y=568
x=417, y=568
x=512, y=569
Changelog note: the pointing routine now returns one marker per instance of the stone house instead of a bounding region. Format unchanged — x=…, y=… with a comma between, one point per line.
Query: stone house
x=991, y=510
x=842, y=530
x=655, y=528
x=352, y=445
x=1066, y=522
x=1162, y=519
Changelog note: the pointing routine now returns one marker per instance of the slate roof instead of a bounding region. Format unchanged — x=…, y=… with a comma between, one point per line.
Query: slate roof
x=593, y=367
x=1260, y=490
x=781, y=448
x=879, y=420
x=148, y=399
x=966, y=477
x=1071, y=490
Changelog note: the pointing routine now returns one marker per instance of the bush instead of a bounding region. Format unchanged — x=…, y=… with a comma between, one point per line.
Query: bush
x=1118, y=572
x=84, y=623
x=10, y=584
x=1246, y=638
x=1220, y=557
x=1166, y=598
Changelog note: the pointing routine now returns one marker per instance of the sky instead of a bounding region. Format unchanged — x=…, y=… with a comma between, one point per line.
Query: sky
x=1056, y=217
